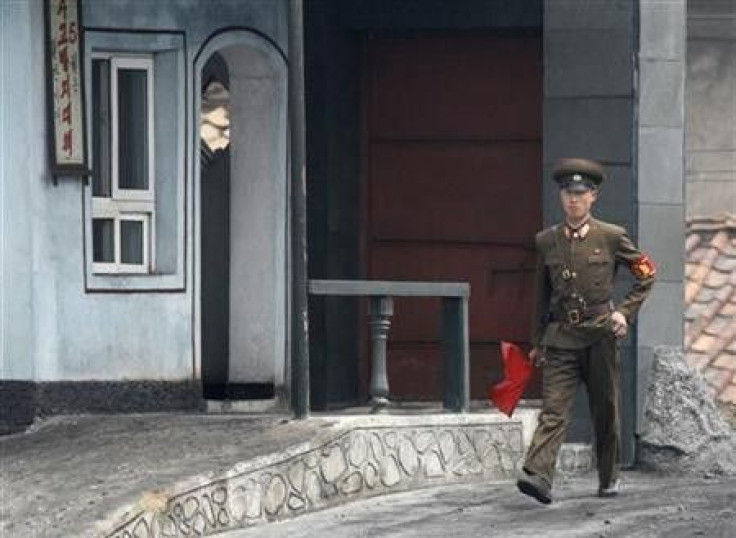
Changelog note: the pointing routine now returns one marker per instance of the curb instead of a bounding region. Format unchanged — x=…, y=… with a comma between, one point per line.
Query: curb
x=353, y=458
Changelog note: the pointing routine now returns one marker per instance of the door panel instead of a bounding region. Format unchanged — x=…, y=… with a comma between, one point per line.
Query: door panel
x=452, y=142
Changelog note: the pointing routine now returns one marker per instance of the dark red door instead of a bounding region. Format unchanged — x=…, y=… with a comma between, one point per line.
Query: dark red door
x=452, y=168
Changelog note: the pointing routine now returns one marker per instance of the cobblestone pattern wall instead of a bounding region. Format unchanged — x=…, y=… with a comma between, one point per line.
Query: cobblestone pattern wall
x=575, y=458
x=360, y=463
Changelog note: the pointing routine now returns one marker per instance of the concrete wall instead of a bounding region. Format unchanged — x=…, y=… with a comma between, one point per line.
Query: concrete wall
x=659, y=189
x=710, y=136
x=257, y=215
x=589, y=112
x=54, y=328
x=23, y=180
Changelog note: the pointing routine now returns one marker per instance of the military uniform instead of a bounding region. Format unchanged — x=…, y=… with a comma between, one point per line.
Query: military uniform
x=575, y=275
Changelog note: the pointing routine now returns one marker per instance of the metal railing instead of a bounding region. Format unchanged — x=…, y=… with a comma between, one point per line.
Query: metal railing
x=455, y=345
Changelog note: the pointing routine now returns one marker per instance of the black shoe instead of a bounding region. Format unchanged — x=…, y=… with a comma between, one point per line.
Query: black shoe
x=610, y=490
x=535, y=486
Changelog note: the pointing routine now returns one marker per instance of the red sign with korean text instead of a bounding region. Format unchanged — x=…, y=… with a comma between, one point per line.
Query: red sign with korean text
x=66, y=86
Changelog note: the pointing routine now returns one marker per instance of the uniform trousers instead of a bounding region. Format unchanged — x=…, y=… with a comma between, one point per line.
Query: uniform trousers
x=598, y=367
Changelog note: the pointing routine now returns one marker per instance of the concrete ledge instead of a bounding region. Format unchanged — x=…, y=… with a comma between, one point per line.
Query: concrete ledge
x=358, y=457
x=355, y=457
x=389, y=288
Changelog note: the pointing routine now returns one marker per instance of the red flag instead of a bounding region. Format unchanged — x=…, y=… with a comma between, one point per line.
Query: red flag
x=518, y=371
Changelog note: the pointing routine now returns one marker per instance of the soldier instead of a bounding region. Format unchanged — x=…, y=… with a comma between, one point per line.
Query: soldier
x=577, y=328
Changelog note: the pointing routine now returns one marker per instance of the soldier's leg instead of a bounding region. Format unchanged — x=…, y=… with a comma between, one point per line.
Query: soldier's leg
x=560, y=379
x=601, y=376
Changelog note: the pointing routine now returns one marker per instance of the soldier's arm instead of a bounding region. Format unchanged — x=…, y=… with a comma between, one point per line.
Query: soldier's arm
x=541, y=298
x=643, y=269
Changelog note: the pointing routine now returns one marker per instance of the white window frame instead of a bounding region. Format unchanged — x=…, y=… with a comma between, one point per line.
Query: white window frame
x=129, y=204
x=144, y=218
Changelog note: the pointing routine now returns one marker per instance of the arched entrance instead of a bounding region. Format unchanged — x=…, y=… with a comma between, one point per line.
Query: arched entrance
x=240, y=216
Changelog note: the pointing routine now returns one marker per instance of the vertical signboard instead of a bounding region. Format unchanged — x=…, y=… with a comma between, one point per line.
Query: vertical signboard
x=65, y=87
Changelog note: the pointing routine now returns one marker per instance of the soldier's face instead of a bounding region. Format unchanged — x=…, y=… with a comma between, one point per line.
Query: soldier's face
x=577, y=205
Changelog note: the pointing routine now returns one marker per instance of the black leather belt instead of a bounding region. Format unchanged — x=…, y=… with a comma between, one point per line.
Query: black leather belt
x=578, y=315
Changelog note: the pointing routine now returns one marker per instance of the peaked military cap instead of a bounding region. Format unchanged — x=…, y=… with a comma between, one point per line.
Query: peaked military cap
x=578, y=175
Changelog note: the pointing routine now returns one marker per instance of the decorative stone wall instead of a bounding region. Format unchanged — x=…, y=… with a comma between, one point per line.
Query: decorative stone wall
x=575, y=458
x=362, y=462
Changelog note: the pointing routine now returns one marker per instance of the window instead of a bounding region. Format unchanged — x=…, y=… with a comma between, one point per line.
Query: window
x=123, y=175
x=134, y=204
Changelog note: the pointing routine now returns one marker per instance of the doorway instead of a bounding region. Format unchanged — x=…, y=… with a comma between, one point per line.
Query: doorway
x=242, y=202
x=452, y=147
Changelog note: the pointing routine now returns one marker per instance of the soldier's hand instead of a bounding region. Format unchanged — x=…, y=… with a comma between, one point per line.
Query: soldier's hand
x=536, y=357
x=619, y=324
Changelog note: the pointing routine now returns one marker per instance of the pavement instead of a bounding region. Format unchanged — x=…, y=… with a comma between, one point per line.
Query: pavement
x=67, y=473
x=649, y=506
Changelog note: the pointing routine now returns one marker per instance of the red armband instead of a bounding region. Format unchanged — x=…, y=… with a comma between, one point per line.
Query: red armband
x=643, y=267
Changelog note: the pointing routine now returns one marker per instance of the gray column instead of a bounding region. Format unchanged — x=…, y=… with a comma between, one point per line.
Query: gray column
x=589, y=112
x=660, y=177
x=299, y=314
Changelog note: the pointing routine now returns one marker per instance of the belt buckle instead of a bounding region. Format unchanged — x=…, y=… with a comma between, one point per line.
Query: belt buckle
x=573, y=316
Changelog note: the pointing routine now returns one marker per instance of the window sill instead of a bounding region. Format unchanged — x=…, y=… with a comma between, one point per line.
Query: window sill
x=131, y=283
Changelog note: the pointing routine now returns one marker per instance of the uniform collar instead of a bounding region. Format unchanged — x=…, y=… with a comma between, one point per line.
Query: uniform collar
x=580, y=232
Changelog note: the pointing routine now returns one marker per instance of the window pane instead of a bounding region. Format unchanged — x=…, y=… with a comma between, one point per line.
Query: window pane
x=132, y=129
x=103, y=240
x=131, y=241
x=101, y=184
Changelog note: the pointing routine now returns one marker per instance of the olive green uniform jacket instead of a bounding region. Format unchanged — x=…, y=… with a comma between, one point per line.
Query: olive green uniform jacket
x=577, y=275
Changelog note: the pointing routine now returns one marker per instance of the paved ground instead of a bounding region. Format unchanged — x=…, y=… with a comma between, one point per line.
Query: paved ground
x=650, y=506
x=57, y=480
x=69, y=472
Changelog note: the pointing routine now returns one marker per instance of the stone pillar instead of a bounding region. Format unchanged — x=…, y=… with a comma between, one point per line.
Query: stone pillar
x=660, y=179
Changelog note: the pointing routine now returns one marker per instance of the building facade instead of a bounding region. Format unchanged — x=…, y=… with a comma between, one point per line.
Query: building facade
x=164, y=281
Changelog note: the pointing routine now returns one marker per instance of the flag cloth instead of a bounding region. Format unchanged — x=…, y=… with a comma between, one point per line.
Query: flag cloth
x=518, y=371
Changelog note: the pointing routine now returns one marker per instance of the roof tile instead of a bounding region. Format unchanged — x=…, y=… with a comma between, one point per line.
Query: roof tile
x=718, y=325
x=698, y=360
x=729, y=309
x=703, y=343
x=725, y=263
x=717, y=378
x=716, y=279
x=726, y=361
x=710, y=300
x=692, y=241
x=697, y=255
x=728, y=394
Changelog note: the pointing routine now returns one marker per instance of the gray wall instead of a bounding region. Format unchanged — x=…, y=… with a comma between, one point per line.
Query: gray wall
x=22, y=181
x=659, y=190
x=589, y=112
x=52, y=329
x=257, y=214
x=711, y=108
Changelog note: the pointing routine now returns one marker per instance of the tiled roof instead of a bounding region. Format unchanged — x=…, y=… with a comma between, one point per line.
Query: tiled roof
x=710, y=302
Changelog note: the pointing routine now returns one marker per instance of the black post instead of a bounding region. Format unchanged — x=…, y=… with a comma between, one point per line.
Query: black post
x=456, y=353
x=300, y=319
